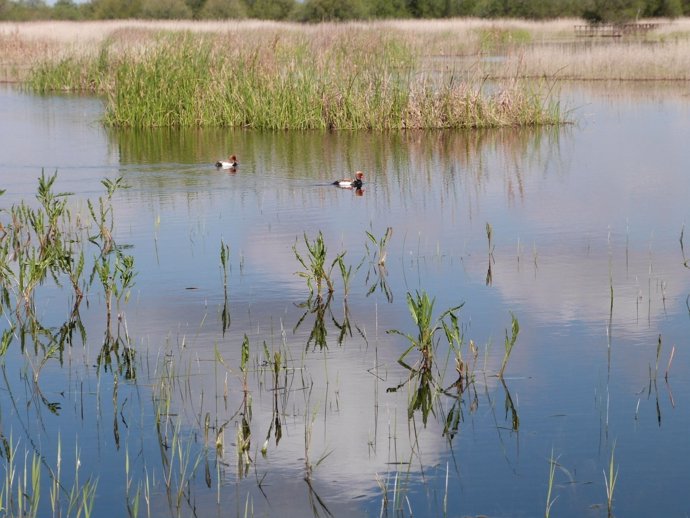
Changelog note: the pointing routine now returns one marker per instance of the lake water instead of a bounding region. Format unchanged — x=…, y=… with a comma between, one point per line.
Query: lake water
x=586, y=252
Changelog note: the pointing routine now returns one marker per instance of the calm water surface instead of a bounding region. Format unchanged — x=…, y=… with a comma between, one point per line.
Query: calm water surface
x=586, y=253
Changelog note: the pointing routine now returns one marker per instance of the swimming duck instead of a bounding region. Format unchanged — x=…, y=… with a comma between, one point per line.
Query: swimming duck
x=230, y=163
x=350, y=183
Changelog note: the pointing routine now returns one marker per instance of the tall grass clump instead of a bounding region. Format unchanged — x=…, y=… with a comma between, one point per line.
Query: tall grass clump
x=82, y=73
x=358, y=79
x=425, y=341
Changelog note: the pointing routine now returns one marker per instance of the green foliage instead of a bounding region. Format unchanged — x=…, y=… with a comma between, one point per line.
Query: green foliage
x=271, y=9
x=615, y=11
x=223, y=9
x=612, y=11
x=388, y=9
x=664, y=9
x=116, y=9
x=328, y=10
x=421, y=309
x=165, y=9
x=314, y=264
x=358, y=80
x=66, y=10
x=509, y=343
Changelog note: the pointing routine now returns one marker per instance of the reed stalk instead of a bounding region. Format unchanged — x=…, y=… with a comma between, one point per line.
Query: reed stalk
x=552, y=474
x=509, y=343
x=610, y=482
x=314, y=264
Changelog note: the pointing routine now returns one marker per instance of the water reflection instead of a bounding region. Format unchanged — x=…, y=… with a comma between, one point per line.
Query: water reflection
x=575, y=231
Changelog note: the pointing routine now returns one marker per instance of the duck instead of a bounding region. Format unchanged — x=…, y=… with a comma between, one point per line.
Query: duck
x=349, y=183
x=230, y=163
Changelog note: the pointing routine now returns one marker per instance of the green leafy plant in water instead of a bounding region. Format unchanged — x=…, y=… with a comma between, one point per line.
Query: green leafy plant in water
x=319, y=308
x=379, y=272
x=115, y=271
x=244, y=433
x=314, y=265
x=509, y=343
x=421, y=308
x=381, y=245
x=224, y=258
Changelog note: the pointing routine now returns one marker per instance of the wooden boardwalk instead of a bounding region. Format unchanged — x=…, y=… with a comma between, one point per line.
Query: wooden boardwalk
x=614, y=30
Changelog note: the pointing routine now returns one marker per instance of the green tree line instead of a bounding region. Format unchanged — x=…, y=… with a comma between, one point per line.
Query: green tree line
x=328, y=10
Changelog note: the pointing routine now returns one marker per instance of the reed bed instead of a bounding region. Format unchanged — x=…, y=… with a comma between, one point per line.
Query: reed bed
x=667, y=60
x=360, y=75
x=359, y=80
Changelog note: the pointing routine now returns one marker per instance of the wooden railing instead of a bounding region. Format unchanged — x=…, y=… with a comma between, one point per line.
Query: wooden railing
x=615, y=30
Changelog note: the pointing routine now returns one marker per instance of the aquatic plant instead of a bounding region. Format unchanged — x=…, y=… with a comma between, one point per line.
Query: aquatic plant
x=224, y=259
x=314, y=265
x=20, y=490
x=380, y=245
x=489, y=237
x=552, y=473
x=421, y=308
x=509, y=343
x=610, y=482
x=354, y=80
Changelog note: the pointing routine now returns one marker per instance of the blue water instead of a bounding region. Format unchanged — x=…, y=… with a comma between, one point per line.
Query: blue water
x=586, y=225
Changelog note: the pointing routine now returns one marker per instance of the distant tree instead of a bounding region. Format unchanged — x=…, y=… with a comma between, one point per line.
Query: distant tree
x=325, y=10
x=271, y=9
x=427, y=8
x=116, y=9
x=223, y=10
x=165, y=9
x=613, y=11
x=66, y=10
x=388, y=9
x=491, y=8
x=25, y=10
x=664, y=9
x=195, y=6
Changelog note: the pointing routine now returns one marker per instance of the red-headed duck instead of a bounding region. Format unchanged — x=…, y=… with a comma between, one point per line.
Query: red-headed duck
x=350, y=183
x=230, y=163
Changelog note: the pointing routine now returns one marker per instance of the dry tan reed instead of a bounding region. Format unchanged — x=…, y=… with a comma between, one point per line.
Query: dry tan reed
x=544, y=48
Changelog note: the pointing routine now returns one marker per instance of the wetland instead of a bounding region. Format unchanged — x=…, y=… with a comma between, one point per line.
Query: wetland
x=495, y=324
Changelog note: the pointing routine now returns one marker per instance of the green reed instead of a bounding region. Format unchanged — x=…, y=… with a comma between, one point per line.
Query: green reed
x=421, y=308
x=509, y=343
x=380, y=245
x=358, y=80
x=610, y=482
x=315, y=271
x=20, y=490
x=553, y=461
